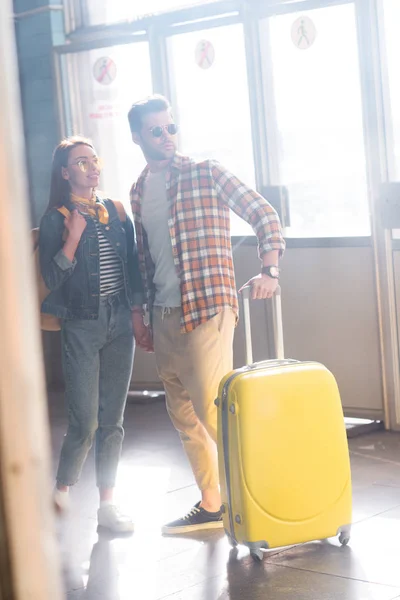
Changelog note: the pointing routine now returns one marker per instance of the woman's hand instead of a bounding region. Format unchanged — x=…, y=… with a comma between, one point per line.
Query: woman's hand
x=75, y=223
x=142, y=333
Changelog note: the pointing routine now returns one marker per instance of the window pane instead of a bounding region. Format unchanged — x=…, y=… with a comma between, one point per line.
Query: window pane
x=99, y=109
x=391, y=11
x=213, y=103
x=391, y=21
x=111, y=11
x=319, y=149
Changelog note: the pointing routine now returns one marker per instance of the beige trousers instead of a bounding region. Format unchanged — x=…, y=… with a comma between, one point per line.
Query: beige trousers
x=191, y=366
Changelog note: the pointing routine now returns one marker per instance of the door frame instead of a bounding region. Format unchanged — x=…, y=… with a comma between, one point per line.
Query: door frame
x=158, y=28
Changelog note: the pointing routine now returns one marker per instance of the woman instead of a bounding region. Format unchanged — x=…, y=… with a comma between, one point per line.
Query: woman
x=88, y=261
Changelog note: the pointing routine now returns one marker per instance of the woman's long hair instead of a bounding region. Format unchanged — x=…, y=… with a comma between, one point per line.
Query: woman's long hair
x=59, y=187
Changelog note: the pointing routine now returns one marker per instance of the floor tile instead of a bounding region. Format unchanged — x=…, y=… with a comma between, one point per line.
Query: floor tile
x=256, y=582
x=155, y=485
x=373, y=554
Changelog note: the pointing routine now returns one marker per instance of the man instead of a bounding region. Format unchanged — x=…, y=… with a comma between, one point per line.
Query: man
x=181, y=211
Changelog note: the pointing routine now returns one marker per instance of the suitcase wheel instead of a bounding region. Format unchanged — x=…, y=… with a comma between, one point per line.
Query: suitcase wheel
x=344, y=539
x=256, y=555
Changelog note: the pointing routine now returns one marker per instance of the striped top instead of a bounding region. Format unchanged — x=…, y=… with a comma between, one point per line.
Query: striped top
x=111, y=273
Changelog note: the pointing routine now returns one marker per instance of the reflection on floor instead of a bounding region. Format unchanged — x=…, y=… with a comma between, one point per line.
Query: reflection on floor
x=155, y=485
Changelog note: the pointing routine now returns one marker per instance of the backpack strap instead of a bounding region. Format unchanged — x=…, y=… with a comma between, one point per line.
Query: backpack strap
x=120, y=210
x=64, y=211
x=117, y=207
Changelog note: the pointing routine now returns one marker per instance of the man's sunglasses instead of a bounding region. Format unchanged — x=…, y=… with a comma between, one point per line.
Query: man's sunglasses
x=158, y=130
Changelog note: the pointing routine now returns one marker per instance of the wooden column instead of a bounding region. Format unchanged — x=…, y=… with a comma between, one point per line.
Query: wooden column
x=29, y=566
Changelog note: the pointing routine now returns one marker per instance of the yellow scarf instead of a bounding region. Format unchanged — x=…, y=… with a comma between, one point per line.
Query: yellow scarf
x=91, y=207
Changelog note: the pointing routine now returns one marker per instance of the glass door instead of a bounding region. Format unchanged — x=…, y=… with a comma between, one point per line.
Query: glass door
x=313, y=93
x=390, y=198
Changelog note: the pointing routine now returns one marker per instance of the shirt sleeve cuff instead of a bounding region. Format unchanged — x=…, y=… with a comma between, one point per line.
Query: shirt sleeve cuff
x=137, y=299
x=63, y=262
x=265, y=248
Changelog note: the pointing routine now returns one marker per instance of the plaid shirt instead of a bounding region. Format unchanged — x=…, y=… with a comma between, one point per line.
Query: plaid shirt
x=200, y=196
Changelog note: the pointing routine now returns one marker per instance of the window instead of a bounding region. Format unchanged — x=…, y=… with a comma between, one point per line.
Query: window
x=106, y=82
x=315, y=113
x=213, y=103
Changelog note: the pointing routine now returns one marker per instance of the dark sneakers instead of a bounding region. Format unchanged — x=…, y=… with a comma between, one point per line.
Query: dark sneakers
x=195, y=520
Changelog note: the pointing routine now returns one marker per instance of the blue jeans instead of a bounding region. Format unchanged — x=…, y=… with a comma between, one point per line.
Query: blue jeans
x=97, y=364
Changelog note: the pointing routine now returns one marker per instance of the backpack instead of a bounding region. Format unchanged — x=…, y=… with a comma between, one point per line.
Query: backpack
x=50, y=322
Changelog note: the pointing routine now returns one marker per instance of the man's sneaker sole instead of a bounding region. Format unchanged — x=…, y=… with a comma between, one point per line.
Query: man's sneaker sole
x=189, y=528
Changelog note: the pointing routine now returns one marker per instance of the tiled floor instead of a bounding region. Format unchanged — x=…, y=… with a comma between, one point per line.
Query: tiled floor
x=155, y=485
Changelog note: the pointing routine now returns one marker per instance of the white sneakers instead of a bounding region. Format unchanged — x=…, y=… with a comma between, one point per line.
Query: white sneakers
x=110, y=517
x=61, y=501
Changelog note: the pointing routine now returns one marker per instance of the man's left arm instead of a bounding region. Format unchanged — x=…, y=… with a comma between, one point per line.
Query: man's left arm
x=263, y=218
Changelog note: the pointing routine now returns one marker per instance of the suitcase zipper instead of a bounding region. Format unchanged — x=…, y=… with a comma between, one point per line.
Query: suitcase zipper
x=225, y=445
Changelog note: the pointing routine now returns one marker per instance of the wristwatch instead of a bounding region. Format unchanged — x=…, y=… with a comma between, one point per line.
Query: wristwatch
x=272, y=271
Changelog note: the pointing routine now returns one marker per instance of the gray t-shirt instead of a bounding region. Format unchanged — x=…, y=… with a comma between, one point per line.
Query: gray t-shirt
x=155, y=213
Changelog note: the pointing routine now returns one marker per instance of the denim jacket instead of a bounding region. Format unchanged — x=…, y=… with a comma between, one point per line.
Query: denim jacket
x=75, y=286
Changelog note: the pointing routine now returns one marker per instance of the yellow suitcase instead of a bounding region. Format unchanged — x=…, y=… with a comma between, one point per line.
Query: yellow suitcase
x=283, y=454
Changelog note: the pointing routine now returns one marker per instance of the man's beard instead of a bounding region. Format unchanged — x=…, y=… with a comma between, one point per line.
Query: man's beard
x=154, y=153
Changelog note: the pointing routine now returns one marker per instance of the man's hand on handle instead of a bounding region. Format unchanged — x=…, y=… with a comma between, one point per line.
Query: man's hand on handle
x=262, y=287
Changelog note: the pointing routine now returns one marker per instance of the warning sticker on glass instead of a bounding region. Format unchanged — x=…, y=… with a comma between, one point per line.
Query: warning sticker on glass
x=303, y=33
x=105, y=70
x=205, y=54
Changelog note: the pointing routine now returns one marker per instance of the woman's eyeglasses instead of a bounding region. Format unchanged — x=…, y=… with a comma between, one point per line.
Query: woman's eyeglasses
x=84, y=164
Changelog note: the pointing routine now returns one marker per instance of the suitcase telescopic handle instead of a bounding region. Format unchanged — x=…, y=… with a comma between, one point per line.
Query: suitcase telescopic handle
x=277, y=321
